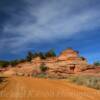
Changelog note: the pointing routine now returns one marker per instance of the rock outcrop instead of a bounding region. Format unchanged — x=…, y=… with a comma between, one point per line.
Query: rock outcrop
x=68, y=62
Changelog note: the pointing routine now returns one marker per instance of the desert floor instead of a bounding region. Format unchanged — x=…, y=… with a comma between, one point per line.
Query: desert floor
x=28, y=88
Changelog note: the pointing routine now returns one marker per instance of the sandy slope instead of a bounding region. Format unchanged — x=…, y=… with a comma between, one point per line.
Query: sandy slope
x=22, y=88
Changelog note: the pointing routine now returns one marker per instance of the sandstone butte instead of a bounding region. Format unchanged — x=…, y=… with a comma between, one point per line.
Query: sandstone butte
x=68, y=62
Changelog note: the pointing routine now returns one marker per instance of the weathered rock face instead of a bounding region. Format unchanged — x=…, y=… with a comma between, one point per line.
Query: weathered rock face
x=71, y=57
x=69, y=53
x=68, y=62
x=72, y=60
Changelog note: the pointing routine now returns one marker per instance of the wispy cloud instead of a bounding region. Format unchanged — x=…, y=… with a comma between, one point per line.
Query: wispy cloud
x=50, y=20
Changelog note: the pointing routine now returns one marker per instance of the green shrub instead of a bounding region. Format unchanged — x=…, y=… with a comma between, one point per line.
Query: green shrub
x=4, y=63
x=97, y=63
x=50, y=53
x=43, y=68
x=29, y=56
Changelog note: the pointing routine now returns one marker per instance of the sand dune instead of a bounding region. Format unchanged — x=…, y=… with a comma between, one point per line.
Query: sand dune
x=27, y=88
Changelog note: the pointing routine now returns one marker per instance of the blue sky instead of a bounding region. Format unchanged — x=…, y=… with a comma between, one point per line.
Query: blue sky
x=39, y=25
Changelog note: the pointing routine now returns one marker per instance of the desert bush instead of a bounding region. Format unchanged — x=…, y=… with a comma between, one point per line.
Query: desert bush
x=43, y=68
x=4, y=63
x=42, y=55
x=82, y=58
x=29, y=56
x=97, y=63
x=50, y=53
x=42, y=75
x=89, y=81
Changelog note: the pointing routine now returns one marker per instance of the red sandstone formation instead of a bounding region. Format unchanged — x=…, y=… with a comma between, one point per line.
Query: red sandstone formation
x=69, y=61
x=72, y=57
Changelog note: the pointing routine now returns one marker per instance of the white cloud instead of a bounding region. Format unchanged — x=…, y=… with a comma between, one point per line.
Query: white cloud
x=54, y=20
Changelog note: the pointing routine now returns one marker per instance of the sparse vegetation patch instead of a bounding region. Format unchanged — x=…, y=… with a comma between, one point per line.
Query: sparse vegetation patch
x=97, y=63
x=89, y=81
